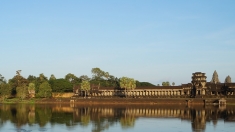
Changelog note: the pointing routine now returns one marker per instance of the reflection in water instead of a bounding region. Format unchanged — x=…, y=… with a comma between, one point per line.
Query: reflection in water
x=103, y=117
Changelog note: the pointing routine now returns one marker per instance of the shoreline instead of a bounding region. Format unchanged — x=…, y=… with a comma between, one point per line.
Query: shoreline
x=118, y=101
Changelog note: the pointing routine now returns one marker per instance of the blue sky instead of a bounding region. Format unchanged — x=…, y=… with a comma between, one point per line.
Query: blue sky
x=149, y=40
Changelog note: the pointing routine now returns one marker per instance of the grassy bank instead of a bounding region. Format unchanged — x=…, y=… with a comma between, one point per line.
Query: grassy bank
x=17, y=100
x=115, y=101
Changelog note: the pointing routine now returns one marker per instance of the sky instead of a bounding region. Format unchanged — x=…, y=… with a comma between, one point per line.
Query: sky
x=148, y=40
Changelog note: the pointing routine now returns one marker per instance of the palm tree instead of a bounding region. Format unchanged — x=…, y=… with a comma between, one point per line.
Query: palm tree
x=127, y=83
x=85, y=86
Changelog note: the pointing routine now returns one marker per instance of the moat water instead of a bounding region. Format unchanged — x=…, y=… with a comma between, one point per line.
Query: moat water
x=108, y=118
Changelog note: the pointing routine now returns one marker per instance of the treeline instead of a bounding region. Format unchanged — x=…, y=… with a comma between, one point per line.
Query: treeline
x=42, y=86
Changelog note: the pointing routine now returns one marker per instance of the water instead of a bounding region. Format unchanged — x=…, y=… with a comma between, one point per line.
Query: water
x=108, y=118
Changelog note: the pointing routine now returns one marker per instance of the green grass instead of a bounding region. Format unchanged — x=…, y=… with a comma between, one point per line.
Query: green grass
x=17, y=100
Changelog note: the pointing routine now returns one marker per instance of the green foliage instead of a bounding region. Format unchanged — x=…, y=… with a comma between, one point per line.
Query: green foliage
x=61, y=85
x=84, y=77
x=18, y=80
x=127, y=83
x=42, y=78
x=85, y=86
x=97, y=73
x=31, y=86
x=2, y=79
x=52, y=77
x=173, y=83
x=166, y=83
x=45, y=90
x=22, y=91
x=70, y=77
x=31, y=89
x=31, y=78
x=104, y=79
x=5, y=90
x=143, y=84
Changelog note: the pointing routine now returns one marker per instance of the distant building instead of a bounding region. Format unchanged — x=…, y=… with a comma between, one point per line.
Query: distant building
x=198, y=88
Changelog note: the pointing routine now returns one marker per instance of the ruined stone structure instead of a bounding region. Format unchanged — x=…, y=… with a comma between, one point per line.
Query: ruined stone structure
x=198, y=88
x=198, y=84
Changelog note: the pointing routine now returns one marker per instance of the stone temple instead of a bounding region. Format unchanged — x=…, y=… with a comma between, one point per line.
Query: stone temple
x=198, y=88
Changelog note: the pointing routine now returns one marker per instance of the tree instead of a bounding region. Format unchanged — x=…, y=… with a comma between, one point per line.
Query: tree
x=173, y=83
x=228, y=79
x=85, y=86
x=20, y=81
x=166, y=83
x=31, y=89
x=61, y=85
x=103, y=78
x=215, y=78
x=17, y=81
x=2, y=79
x=84, y=77
x=71, y=78
x=106, y=75
x=5, y=90
x=31, y=78
x=45, y=90
x=143, y=84
x=52, y=77
x=127, y=83
x=97, y=73
x=42, y=77
x=22, y=91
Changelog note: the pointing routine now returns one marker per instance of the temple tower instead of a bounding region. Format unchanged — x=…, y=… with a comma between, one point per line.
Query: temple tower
x=198, y=82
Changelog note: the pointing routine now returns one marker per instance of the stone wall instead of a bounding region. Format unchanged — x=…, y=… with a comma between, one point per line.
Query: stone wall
x=62, y=95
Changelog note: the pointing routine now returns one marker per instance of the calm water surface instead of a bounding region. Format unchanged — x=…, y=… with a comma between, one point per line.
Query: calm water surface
x=77, y=118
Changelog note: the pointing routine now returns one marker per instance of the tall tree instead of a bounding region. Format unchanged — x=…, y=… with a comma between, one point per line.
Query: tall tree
x=106, y=75
x=18, y=82
x=61, y=85
x=166, y=83
x=22, y=91
x=5, y=90
x=97, y=73
x=52, y=77
x=32, y=78
x=102, y=78
x=42, y=77
x=84, y=77
x=31, y=89
x=72, y=78
x=2, y=79
x=45, y=90
x=173, y=83
x=215, y=78
x=127, y=83
x=85, y=86
x=228, y=80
